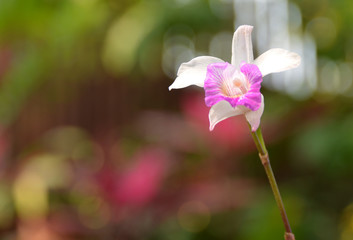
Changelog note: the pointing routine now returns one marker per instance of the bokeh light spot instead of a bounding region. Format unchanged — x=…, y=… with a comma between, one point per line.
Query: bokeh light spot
x=125, y=35
x=52, y=169
x=30, y=195
x=220, y=45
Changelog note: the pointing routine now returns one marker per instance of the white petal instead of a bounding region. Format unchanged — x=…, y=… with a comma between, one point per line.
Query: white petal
x=223, y=110
x=254, y=117
x=277, y=60
x=193, y=72
x=242, y=46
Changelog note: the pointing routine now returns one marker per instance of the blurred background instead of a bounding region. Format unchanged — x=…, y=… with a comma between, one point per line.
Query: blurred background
x=94, y=146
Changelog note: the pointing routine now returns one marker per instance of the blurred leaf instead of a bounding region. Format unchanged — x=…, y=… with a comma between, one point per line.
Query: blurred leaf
x=127, y=33
x=262, y=220
x=328, y=145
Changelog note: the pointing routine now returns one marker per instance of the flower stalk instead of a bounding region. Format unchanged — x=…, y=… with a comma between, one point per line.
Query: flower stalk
x=263, y=154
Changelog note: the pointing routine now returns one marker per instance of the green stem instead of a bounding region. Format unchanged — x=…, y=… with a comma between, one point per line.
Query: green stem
x=260, y=145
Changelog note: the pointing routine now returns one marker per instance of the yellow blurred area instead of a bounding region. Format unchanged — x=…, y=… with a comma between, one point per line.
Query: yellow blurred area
x=30, y=196
x=126, y=34
x=347, y=223
x=53, y=170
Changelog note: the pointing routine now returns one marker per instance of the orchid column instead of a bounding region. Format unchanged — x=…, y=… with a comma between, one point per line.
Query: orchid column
x=234, y=89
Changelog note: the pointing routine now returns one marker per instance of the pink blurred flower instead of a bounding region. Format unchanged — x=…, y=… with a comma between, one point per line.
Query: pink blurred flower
x=141, y=182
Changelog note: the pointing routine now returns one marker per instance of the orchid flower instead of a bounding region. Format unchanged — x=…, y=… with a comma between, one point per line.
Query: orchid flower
x=234, y=89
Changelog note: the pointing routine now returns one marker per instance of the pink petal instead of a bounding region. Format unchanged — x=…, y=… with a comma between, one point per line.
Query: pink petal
x=220, y=77
x=252, y=99
x=215, y=77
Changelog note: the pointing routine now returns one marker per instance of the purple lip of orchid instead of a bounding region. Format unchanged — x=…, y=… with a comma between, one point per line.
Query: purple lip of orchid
x=240, y=88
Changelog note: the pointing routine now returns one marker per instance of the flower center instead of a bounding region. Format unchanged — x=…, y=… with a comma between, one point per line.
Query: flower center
x=235, y=88
x=239, y=87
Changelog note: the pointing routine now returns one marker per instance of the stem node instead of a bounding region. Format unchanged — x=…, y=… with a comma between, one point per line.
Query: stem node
x=264, y=158
x=289, y=236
